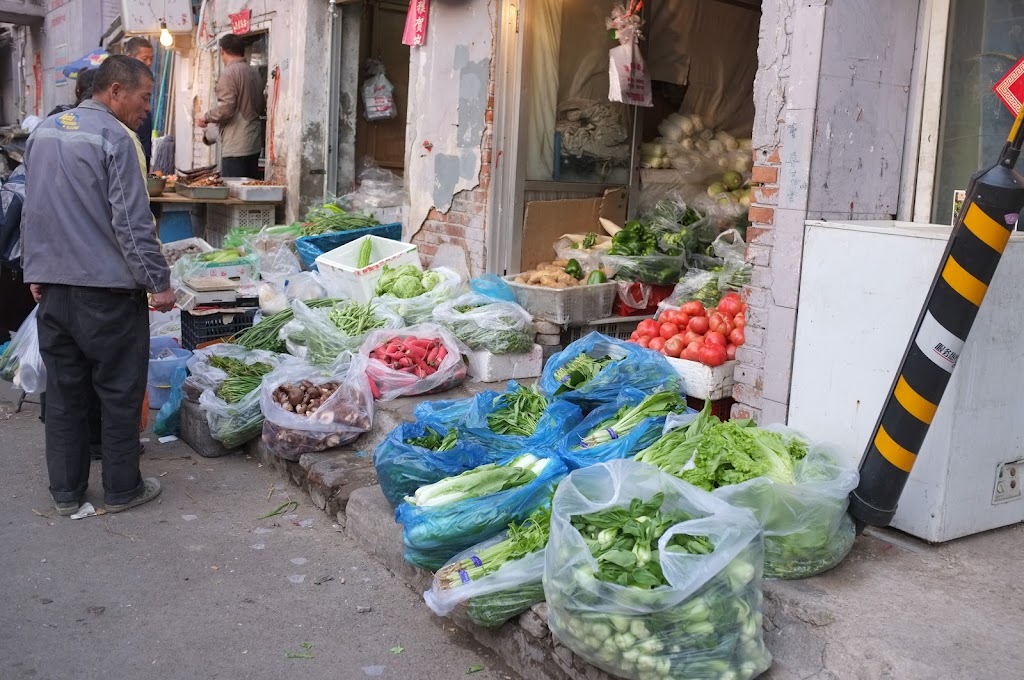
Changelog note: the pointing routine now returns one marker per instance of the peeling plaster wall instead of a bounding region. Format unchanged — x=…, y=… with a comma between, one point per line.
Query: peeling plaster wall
x=299, y=35
x=449, y=132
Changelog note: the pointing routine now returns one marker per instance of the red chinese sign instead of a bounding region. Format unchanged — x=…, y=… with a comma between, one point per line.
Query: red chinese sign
x=415, y=32
x=241, y=21
x=1010, y=88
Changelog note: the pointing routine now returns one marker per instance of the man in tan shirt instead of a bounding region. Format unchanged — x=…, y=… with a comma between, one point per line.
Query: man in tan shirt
x=240, y=103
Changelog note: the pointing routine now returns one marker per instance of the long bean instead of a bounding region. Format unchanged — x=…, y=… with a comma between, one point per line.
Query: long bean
x=266, y=334
x=238, y=387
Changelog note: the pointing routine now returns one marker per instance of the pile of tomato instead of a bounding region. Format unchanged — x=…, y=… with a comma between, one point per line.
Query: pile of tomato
x=694, y=333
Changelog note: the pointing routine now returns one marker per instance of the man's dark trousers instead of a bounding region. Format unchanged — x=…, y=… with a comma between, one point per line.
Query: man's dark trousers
x=93, y=339
x=240, y=166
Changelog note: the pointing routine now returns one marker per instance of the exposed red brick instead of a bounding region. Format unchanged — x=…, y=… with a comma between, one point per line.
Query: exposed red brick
x=762, y=215
x=766, y=195
x=775, y=157
x=764, y=174
x=760, y=235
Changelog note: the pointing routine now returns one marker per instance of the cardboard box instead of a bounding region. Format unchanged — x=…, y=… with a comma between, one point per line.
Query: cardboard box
x=546, y=221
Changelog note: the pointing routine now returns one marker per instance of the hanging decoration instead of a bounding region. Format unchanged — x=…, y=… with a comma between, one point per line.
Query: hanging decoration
x=628, y=79
x=415, y=33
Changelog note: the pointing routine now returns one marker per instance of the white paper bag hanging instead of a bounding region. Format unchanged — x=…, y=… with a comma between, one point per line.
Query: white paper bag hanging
x=628, y=79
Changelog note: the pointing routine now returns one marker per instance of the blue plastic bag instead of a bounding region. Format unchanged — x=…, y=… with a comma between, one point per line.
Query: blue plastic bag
x=493, y=287
x=402, y=468
x=631, y=366
x=557, y=420
x=623, y=446
x=444, y=412
x=168, y=419
x=433, y=535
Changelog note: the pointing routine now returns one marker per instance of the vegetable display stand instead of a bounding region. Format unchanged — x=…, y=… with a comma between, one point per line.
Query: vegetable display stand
x=339, y=266
x=565, y=306
x=705, y=382
x=613, y=327
x=311, y=247
x=198, y=330
x=488, y=367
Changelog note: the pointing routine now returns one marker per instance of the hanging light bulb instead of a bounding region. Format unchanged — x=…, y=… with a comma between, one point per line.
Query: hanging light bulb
x=166, y=39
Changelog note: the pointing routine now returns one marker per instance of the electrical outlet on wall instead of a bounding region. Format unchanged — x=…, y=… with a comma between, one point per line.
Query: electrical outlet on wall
x=1008, y=482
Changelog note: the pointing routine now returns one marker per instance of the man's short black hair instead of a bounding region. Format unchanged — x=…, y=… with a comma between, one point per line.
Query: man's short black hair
x=84, y=85
x=131, y=73
x=136, y=44
x=233, y=45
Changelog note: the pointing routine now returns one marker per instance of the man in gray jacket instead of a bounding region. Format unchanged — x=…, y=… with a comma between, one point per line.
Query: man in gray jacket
x=91, y=253
x=240, y=104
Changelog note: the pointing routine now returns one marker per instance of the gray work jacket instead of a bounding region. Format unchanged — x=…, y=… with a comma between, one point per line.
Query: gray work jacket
x=87, y=219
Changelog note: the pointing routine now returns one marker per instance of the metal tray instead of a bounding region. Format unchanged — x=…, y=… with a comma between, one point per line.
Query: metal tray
x=208, y=193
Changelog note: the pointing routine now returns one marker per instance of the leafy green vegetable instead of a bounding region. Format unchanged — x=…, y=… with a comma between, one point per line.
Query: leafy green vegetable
x=433, y=440
x=330, y=217
x=517, y=412
x=579, y=371
x=589, y=241
x=431, y=279
x=628, y=417
x=634, y=240
x=480, y=481
x=736, y=451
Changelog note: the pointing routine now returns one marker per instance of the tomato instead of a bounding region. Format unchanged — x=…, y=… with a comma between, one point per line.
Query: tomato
x=715, y=338
x=712, y=355
x=698, y=324
x=668, y=330
x=727, y=327
x=690, y=336
x=648, y=327
x=644, y=340
x=730, y=352
x=669, y=316
x=682, y=319
x=744, y=308
x=693, y=308
x=674, y=346
x=691, y=353
x=740, y=321
x=737, y=337
x=715, y=322
x=730, y=306
x=657, y=344
x=634, y=336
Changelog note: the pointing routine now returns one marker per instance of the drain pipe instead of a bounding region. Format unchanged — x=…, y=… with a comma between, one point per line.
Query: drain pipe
x=333, y=100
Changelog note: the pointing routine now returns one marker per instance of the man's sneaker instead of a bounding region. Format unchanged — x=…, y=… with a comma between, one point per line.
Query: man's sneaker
x=151, y=489
x=67, y=509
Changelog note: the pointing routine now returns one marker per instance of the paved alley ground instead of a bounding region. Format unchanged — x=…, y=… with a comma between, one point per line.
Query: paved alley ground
x=194, y=586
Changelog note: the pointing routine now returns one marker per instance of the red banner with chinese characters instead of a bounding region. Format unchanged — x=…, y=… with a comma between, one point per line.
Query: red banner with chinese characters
x=415, y=33
x=1010, y=88
x=241, y=21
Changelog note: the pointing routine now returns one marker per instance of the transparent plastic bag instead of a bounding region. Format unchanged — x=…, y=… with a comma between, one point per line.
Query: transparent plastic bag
x=484, y=323
x=340, y=419
x=726, y=272
x=631, y=366
x=657, y=270
x=497, y=597
x=557, y=420
x=324, y=340
x=403, y=467
x=378, y=94
x=432, y=535
x=622, y=445
x=420, y=308
x=378, y=188
x=806, y=527
x=450, y=369
x=21, y=363
x=570, y=247
x=168, y=421
x=704, y=625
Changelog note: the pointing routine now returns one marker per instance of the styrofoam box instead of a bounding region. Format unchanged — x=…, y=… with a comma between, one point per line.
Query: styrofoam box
x=338, y=265
x=260, y=193
x=705, y=382
x=487, y=367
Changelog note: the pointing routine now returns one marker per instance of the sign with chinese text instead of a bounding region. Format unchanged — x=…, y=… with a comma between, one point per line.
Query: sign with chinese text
x=1010, y=88
x=241, y=21
x=415, y=32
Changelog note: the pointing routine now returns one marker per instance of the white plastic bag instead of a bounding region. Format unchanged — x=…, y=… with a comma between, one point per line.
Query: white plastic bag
x=324, y=340
x=628, y=79
x=21, y=362
x=450, y=369
x=378, y=94
x=420, y=308
x=346, y=413
x=485, y=323
x=705, y=624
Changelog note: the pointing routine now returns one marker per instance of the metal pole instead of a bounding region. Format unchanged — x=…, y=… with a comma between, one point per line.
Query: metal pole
x=979, y=237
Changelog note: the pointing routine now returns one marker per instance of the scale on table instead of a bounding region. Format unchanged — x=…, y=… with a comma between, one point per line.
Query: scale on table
x=214, y=292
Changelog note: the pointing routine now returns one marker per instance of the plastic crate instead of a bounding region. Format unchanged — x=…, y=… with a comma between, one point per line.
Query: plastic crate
x=223, y=218
x=200, y=329
x=565, y=306
x=338, y=266
x=311, y=247
x=613, y=328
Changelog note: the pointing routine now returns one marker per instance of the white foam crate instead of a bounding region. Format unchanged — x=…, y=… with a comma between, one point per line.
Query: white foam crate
x=338, y=265
x=705, y=382
x=254, y=194
x=566, y=306
x=487, y=367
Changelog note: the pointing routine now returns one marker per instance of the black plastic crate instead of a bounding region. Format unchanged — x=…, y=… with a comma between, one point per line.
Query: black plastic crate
x=198, y=330
x=614, y=327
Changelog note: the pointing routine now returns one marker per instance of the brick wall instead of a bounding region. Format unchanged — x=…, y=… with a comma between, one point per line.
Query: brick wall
x=465, y=223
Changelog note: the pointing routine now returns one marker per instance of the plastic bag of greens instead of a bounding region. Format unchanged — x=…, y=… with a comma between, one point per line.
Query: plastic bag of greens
x=416, y=304
x=656, y=269
x=484, y=323
x=806, y=527
x=229, y=378
x=497, y=579
x=725, y=272
x=519, y=419
x=419, y=453
x=595, y=368
x=21, y=363
x=310, y=409
x=444, y=413
x=329, y=331
x=423, y=359
x=168, y=418
x=649, y=577
x=620, y=429
x=444, y=518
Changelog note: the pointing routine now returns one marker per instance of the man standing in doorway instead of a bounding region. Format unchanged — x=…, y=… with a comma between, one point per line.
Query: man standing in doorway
x=90, y=253
x=140, y=48
x=239, y=106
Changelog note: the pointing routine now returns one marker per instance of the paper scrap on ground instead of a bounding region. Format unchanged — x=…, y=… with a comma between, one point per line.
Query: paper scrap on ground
x=168, y=439
x=85, y=511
